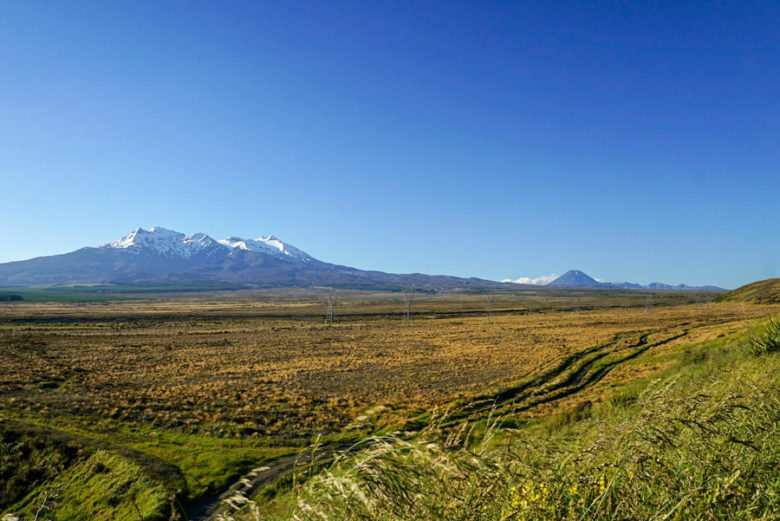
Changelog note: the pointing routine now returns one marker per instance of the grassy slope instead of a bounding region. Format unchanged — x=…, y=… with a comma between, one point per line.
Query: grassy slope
x=68, y=478
x=102, y=487
x=700, y=442
x=761, y=292
x=189, y=465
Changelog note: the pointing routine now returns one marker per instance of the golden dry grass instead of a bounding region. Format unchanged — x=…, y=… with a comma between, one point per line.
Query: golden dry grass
x=265, y=367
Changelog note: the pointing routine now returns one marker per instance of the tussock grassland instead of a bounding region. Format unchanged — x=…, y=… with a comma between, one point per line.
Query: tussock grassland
x=210, y=387
x=700, y=442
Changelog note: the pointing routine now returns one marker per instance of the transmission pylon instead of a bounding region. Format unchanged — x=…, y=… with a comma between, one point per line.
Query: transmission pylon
x=331, y=309
x=408, y=296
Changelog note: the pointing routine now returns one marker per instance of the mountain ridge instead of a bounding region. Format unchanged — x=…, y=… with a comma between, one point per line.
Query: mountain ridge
x=172, y=243
x=162, y=254
x=579, y=279
x=264, y=261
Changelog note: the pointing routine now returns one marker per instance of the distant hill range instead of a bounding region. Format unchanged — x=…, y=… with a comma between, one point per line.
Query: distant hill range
x=158, y=254
x=164, y=256
x=761, y=292
x=579, y=279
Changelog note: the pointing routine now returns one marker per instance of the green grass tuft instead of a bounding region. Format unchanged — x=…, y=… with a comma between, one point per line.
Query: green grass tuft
x=769, y=339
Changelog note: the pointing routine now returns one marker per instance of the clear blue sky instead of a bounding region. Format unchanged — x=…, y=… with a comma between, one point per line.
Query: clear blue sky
x=490, y=139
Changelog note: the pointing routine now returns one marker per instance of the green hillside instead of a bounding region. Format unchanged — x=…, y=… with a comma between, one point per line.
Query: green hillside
x=761, y=292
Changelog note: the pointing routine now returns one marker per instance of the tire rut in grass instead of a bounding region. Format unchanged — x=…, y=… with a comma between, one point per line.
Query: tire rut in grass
x=575, y=373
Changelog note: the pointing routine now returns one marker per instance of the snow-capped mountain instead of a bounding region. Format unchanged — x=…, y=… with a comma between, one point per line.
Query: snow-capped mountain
x=161, y=254
x=176, y=244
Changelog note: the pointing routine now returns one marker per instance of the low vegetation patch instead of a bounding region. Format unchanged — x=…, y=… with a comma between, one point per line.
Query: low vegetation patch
x=703, y=442
x=29, y=460
x=101, y=487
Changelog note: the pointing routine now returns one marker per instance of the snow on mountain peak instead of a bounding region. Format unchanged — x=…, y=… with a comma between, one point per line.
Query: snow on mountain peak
x=140, y=237
x=268, y=244
x=164, y=241
x=172, y=243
